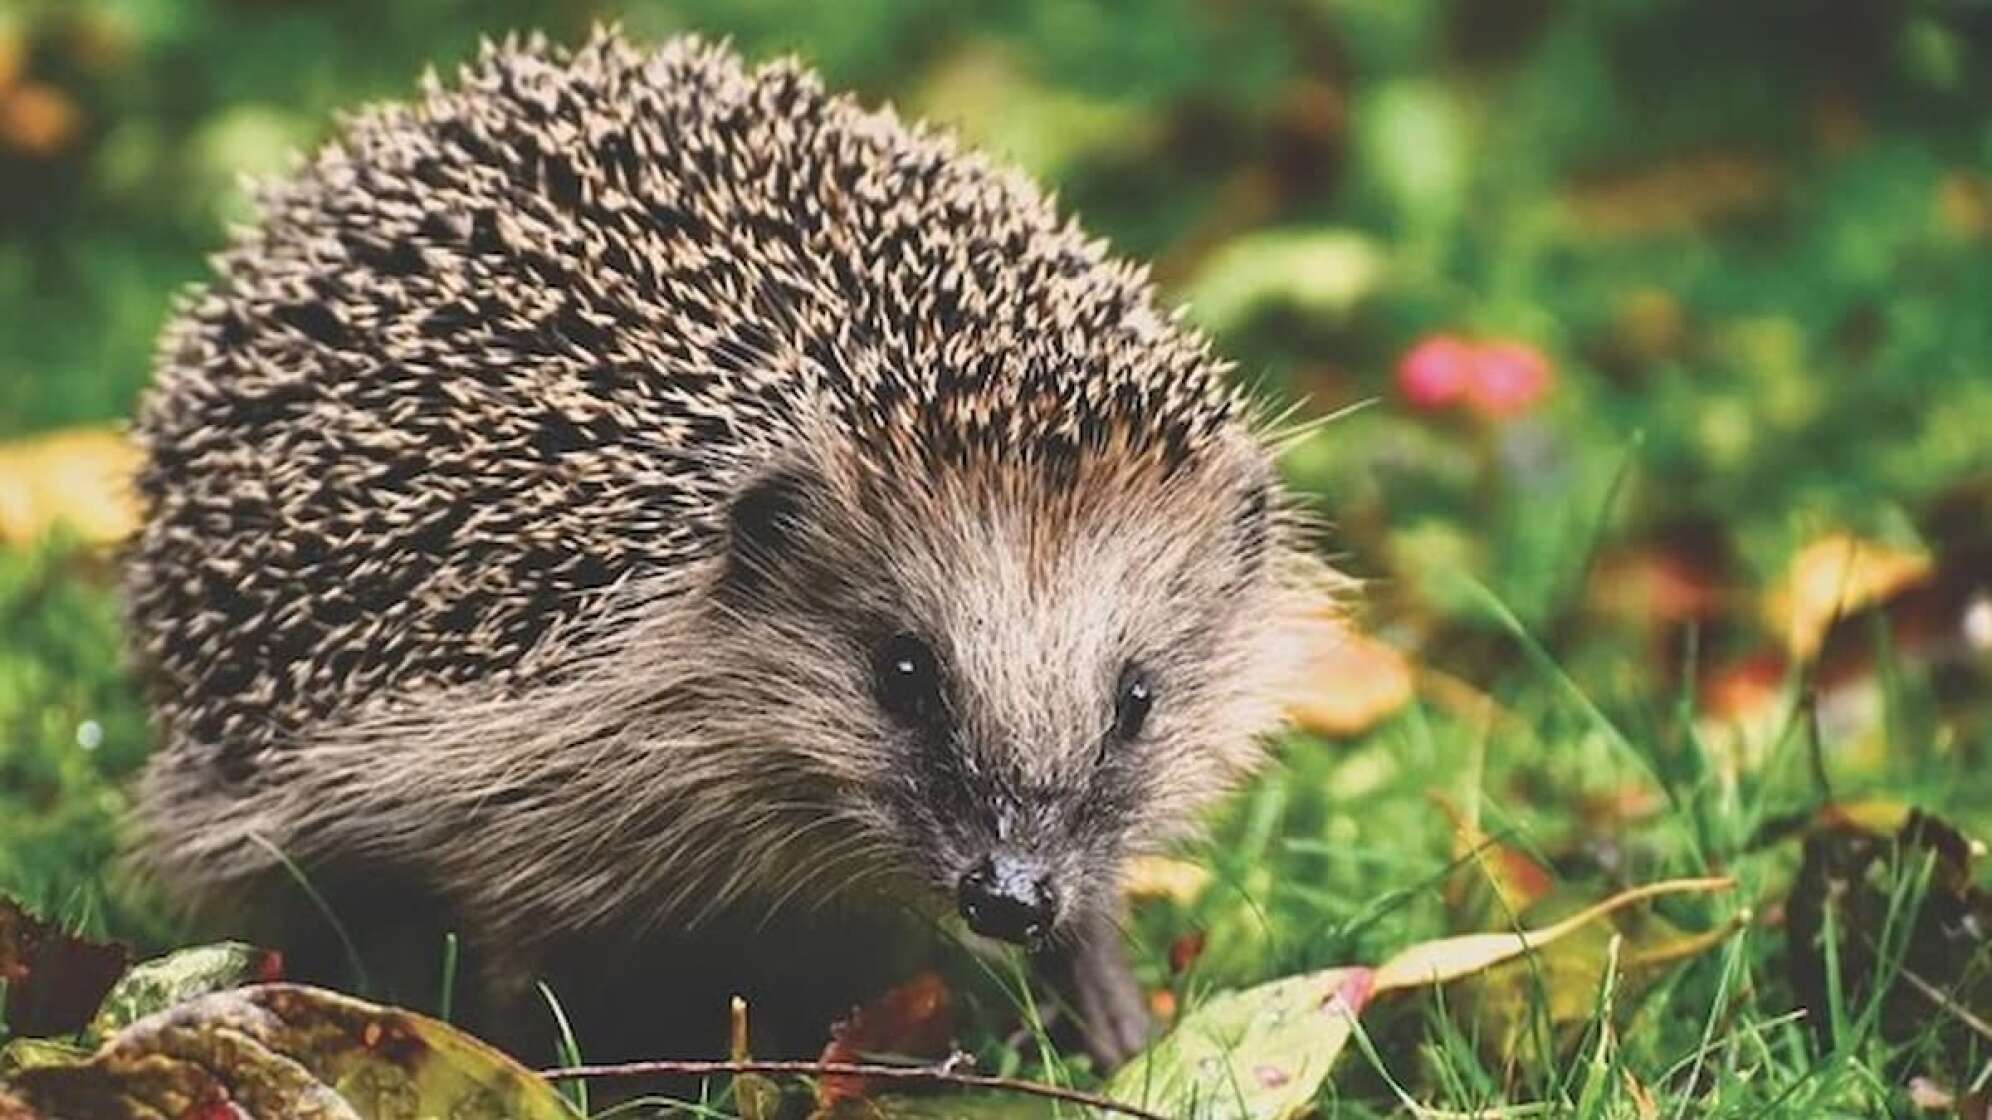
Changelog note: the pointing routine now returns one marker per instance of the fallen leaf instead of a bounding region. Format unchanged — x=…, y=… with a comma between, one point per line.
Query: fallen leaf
x=1858, y=863
x=29, y=1053
x=290, y=1051
x=1352, y=683
x=37, y=119
x=915, y=1019
x=80, y=478
x=53, y=980
x=1561, y=981
x=155, y=985
x=1833, y=577
x=1449, y=958
x=1152, y=878
x=1262, y=1052
x=1518, y=881
x=1666, y=582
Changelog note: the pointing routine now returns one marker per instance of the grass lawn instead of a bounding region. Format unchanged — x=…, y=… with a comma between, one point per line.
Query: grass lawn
x=1657, y=342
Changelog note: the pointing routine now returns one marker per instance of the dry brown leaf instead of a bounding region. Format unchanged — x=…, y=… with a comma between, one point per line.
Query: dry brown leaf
x=80, y=478
x=51, y=981
x=1833, y=577
x=1353, y=682
x=915, y=1019
x=1449, y=958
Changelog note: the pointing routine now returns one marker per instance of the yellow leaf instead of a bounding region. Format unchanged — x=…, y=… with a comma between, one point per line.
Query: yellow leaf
x=80, y=478
x=1352, y=683
x=1436, y=962
x=1158, y=877
x=1835, y=576
x=1878, y=816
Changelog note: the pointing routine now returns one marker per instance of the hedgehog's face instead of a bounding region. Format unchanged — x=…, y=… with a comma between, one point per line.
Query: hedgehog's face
x=1028, y=684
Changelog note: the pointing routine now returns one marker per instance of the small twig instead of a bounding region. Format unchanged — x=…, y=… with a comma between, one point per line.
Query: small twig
x=1943, y=999
x=945, y=1073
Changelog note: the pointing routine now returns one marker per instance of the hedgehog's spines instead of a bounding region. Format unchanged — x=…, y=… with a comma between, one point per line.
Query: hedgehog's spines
x=457, y=424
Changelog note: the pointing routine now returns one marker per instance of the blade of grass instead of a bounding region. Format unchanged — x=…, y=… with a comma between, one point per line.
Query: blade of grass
x=566, y=1050
x=360, y=977
x=446, y=1006
x=1547, y=665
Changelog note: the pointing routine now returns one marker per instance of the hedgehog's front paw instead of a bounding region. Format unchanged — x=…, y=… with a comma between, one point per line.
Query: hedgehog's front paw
x=1106, y=1012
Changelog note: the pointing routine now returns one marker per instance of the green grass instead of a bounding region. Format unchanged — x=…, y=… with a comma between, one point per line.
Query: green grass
x=1753, y=245
x=1336, y=856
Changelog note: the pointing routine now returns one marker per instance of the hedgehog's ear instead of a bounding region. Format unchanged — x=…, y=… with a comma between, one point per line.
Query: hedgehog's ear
x=765, y=524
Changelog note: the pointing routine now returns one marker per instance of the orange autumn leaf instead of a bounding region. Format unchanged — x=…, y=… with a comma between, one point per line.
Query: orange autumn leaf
x=1352, y=683
x=80, y=478
x=1833, y=577
x=915, y=1019
x=1745, y=689
x=38, y=119
x=1518, y=881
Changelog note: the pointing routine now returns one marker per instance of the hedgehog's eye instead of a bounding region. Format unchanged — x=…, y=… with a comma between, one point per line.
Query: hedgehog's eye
x=1131, y=705
x=908, y=679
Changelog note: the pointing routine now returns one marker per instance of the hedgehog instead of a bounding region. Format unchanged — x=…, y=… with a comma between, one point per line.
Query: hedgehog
x=696, y=534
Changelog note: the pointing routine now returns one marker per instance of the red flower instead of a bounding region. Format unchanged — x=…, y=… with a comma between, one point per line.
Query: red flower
x=1495, y=380
x=1435, y=373
x=1509, y=378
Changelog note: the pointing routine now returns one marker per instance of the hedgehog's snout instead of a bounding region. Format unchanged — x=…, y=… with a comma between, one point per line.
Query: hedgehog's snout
x=1010, y=897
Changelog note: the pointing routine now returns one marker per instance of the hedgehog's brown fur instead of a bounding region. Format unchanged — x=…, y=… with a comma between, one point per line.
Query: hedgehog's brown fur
x=515, y=487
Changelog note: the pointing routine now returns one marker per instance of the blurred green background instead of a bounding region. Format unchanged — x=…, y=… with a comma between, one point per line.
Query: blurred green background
x=1722, y=269
x=1754, y=235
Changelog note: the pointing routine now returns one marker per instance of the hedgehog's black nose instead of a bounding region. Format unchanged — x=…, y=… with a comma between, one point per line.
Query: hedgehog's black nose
x=1007, y=897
